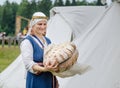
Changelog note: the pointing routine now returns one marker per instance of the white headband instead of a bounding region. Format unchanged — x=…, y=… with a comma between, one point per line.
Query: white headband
x=37, y=16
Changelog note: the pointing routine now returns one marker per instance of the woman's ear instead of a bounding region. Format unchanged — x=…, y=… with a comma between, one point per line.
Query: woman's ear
x=32, y=32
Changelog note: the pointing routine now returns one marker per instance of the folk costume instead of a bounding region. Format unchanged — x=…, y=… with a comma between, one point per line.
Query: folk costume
x=32, y=50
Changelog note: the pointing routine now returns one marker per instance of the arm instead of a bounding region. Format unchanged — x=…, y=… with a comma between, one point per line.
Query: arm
x=27, y=56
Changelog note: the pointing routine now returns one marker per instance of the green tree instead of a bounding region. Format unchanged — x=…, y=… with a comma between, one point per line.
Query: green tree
x=8, y=19
x=14, y=7
x=83, y=2
x=24, y=9
x=73, y=3
x=61, y=3
x=67, y=3
x=99, y=3
x=1, y=11
x=33, y=7
x=58, y=3
x=44, y=6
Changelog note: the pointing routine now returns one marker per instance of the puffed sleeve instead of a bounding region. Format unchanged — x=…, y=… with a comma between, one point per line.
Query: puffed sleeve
x=27, y=55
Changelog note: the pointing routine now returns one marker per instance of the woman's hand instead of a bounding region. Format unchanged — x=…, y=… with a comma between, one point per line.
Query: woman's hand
x=53, y=69
x=39, y=68
x=52, y=65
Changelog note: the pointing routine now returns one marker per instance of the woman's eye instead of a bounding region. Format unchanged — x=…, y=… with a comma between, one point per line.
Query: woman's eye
x=45, y=24
x=40, y=24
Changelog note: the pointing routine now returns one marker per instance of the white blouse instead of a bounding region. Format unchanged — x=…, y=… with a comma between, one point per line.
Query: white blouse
x=27, y=53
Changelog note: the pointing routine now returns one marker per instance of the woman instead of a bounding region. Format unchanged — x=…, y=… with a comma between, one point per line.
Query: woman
x=32, y=49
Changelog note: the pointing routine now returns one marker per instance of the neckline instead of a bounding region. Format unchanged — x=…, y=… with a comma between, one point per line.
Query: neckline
x=39, y=40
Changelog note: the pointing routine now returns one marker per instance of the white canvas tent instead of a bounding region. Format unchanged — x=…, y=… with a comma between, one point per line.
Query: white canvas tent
x=96, y=31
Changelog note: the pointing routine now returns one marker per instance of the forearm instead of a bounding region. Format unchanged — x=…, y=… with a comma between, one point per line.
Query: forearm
x=38, y=68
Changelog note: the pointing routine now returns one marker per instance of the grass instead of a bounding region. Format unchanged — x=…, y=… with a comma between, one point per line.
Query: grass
x=8, y=55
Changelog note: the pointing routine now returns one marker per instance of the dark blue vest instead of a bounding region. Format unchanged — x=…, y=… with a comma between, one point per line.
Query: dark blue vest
x=45, y=79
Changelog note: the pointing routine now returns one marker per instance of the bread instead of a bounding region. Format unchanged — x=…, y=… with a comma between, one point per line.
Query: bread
x=63, y=55
x=68, y=63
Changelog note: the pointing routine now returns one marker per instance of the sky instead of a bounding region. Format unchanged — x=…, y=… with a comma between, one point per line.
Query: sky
x=18, y=1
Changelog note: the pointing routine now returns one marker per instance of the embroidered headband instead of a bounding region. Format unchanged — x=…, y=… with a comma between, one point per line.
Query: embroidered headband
x=39, y=17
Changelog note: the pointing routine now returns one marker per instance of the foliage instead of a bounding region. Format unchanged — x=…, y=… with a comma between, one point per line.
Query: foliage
x=8, y=16
x=45, y=6
x=67, y=3
x=99, y=3
x=74, y=3
x=58, y=3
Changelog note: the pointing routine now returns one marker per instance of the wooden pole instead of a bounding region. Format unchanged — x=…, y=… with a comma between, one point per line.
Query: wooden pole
x=3, y=41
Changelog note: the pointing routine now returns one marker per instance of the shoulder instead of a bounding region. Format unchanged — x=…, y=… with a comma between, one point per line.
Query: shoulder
x=28, y=38
x=25, y=44
x=26, y=41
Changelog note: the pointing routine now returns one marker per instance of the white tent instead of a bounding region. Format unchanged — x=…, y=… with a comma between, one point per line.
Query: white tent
x=95, y=30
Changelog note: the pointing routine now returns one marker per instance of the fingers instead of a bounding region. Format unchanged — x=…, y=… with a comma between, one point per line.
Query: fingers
x=53, y=69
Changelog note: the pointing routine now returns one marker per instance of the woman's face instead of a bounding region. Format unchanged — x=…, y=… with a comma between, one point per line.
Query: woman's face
x=40, y=28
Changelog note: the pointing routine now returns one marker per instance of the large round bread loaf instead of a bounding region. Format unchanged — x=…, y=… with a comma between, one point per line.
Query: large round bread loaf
x=63, y=55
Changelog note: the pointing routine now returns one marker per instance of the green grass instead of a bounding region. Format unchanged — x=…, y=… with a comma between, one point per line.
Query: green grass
x=8, y=55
